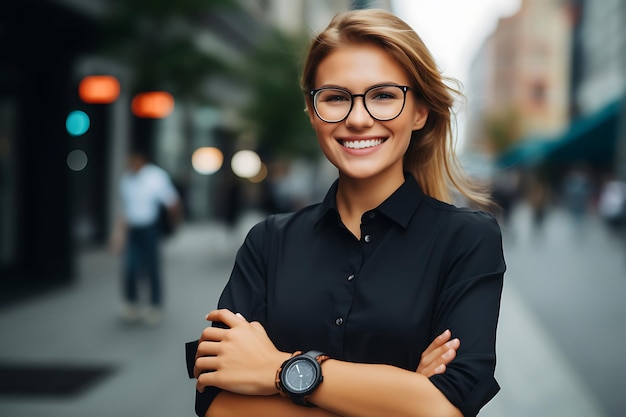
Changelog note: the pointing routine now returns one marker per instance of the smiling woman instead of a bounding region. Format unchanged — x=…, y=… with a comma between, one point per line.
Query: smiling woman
x=383, y=299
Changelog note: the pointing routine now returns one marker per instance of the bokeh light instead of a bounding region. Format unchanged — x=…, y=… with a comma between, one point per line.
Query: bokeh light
x=153, y=104
x=99, y=89
x=207, y=160
x=77, y=160
x=77, y=123
x=246, y=164
x=261, y=175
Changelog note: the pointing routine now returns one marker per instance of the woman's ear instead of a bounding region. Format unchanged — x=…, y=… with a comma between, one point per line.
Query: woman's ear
x=312, y=116
x=420, y=116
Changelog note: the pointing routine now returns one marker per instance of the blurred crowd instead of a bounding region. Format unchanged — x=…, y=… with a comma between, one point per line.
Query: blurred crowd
x=579, y=189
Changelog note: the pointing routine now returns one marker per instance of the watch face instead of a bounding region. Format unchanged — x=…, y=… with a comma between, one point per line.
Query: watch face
x=300, y=376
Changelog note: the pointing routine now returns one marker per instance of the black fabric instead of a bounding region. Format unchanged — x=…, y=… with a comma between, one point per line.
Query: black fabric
x=49, y=380
x=166, y=225
x=190, y=356
x=420, y=267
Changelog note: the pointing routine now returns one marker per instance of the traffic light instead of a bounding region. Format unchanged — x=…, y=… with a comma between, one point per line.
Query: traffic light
x=88, y=126
x=93, y=92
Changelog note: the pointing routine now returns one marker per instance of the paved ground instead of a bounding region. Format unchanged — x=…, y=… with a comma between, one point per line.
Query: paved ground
x=79, y=325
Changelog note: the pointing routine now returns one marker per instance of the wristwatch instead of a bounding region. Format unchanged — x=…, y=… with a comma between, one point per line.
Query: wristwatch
x=300, y=375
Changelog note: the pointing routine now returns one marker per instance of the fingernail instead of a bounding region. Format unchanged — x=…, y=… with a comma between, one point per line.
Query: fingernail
x=240, y=316
x=440, y=369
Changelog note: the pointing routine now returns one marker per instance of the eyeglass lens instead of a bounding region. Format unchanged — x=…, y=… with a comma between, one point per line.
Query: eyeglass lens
x=382, y=103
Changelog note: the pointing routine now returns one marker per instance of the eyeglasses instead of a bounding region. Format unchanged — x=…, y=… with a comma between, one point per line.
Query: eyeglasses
x=382, y=102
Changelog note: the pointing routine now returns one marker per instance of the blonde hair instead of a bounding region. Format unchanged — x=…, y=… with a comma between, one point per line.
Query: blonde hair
x=430, y=156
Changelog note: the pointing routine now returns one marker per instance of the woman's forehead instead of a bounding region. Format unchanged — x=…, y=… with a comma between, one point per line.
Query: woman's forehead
x=358, y=66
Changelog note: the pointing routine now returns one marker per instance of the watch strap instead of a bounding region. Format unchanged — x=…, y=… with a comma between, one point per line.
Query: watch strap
x=318, y=356
x=279, y=386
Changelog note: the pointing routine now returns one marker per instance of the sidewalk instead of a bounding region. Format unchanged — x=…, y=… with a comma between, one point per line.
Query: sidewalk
x=568, y=279
x=80, y=325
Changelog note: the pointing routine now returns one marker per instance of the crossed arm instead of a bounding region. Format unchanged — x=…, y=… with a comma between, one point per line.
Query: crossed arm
x=243, y=361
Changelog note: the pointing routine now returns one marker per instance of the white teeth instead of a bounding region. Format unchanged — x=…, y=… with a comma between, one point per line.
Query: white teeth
x=362, y=144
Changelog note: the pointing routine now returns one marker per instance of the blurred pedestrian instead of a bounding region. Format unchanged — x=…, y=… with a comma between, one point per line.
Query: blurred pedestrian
x=576, y=193
x=538, y=196
x=505, y=190
x=144, y=190
x=612, y=203
x=392, y=294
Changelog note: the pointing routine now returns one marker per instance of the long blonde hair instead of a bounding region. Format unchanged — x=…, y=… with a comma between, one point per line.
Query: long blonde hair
x=430, y=156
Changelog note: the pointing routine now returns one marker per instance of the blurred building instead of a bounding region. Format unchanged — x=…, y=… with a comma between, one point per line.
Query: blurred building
x=58, y=190
x=581, y=123
x=519, y=80
x=40, y=43
x=597, y=133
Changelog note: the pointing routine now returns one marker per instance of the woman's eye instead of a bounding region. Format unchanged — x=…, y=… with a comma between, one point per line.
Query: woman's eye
x=382, y=95
x=337, y=97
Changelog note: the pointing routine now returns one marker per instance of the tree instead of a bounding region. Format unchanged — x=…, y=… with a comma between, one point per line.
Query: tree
x=276, y=111
x=155, y=38
x=503, y=130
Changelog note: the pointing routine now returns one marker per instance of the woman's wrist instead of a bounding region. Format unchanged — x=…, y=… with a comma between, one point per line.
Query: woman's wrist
x=282, y=358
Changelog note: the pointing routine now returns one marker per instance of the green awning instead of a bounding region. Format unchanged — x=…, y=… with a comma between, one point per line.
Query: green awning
x=527, y=152
x=590, y=139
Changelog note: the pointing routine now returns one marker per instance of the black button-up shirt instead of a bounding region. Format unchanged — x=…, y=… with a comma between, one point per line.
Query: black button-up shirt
x=420, y=267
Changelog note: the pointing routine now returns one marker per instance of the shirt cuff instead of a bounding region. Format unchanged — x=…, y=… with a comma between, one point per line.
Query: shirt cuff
x=190, y=356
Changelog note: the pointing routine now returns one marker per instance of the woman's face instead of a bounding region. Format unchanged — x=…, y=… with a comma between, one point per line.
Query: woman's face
x=360, y=146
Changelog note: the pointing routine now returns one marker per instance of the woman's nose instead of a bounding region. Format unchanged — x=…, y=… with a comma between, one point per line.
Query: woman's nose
x=359, y=116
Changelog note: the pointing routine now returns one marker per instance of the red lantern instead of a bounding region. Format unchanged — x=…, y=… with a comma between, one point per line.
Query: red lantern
x=99, y=89
x=153, y=104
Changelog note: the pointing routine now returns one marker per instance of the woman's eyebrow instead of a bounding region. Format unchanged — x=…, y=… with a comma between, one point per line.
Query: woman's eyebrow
x=364, y=89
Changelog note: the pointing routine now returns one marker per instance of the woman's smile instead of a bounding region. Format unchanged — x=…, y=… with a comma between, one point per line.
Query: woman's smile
x=362, y=143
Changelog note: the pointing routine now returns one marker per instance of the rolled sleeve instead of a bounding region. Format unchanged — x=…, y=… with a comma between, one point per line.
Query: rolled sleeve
x=469, y=305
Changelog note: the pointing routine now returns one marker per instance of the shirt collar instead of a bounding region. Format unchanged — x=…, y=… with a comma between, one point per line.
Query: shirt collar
x=398, y=207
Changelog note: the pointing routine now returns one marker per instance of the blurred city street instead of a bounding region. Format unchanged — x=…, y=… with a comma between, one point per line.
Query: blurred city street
x=560, y=339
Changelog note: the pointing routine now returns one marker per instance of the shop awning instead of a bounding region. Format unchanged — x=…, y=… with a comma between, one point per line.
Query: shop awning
x=527, y=152
x=591, y=139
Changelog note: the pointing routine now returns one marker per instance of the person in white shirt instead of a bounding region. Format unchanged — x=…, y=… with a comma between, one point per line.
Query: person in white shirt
x=144, y=188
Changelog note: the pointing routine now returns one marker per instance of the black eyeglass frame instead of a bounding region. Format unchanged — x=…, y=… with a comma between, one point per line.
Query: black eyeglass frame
x=314, y=92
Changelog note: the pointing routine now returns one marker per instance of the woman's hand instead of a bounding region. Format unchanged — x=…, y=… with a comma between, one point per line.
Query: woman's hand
x=438, y=354
x=241, y=359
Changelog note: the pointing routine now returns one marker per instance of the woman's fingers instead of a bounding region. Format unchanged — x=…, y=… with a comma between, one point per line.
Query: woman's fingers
x=239, y=358
x=214, y=334
x=438, y=354
x=205, y=364
x=431, y=352
x=225, y=316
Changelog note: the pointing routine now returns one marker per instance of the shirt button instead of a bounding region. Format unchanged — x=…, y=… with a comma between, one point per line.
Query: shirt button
x=339, y=321
x=371, y=214
x=350, y=277
x=367, y=238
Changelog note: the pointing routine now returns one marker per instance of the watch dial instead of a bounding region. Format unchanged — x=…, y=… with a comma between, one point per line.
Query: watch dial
x=300, y=376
